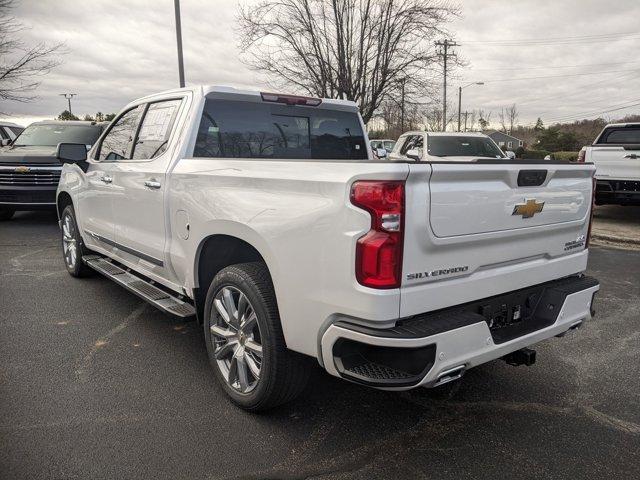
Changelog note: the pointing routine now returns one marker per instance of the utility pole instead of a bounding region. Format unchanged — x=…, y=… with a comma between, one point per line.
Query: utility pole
x=176, y=4
x=68, y=96
x=460, y=108
x=466, y=114
x=444, y=53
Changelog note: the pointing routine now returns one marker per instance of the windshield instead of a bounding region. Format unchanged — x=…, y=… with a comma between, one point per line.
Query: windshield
x=459, y=146
x=43, y=135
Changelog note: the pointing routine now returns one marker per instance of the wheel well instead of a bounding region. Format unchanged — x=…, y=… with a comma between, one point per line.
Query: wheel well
x=64, y=199
x=216, y=253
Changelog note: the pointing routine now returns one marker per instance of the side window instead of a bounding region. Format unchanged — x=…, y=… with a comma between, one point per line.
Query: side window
x=155, y=129
x=399, y=145
x=117, y=144
x=413, y=142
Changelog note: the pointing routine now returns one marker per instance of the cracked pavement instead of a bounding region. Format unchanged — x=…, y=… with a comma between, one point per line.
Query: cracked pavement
x=94, y=384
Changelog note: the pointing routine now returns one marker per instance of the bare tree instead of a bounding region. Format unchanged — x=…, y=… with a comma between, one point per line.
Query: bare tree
x=361, y=50
x=484, y=119
x=432, y=117
x=512, y=117
x=21, y=66
x=502, y=118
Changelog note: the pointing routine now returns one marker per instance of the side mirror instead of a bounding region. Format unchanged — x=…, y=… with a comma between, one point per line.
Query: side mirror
x=5, y=142
x=414, y=154
x=510, y=155
x=75, y=153
x=381, y=153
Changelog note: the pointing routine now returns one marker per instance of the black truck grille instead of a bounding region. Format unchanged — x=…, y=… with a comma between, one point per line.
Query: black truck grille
x=32, y=178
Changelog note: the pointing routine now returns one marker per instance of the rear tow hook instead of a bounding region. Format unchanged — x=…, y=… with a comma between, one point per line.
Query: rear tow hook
x=524, y=356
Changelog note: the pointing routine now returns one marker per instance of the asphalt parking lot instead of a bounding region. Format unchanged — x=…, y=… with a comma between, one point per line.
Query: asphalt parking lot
x=95, y=384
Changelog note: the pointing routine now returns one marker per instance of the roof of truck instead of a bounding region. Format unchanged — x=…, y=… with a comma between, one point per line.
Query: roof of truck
x=446, y=134
x=231, y=92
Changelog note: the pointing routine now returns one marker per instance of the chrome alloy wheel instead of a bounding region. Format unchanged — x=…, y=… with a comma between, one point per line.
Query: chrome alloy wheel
x=236, y=339
x=69, y=244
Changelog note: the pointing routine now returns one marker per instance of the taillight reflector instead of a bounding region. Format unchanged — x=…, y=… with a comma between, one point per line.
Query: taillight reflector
x=290, y=99
x=379, y=251
x=581, y=155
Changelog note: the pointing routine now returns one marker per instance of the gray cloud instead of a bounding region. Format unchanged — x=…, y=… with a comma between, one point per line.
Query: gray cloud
x=119, y=51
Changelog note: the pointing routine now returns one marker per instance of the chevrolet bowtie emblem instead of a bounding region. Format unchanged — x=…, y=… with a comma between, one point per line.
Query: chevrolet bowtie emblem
x=528, y=209
x=22, y=169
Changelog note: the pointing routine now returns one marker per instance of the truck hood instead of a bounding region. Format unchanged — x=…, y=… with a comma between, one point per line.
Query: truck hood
x=28, y=155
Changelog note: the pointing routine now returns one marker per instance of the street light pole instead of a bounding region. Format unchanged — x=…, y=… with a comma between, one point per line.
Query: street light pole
x=176, y=4
x=460, y=99
x=68, y=96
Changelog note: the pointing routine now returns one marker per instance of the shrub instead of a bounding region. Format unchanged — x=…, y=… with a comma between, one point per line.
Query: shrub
x=566, y=156
x=534, y=154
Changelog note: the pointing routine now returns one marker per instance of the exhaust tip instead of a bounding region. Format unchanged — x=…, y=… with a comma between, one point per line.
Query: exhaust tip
x=450, y=375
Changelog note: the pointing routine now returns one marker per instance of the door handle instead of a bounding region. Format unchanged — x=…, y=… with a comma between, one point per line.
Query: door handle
x=152, y=184
x=631, y=155
x=106, y=179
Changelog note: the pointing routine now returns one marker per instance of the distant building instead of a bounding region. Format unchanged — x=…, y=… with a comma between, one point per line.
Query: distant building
x=506, y=141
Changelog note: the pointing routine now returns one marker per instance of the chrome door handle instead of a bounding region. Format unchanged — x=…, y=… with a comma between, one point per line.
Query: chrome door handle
x=631, y=155
x=106, y=179
x=152, y=184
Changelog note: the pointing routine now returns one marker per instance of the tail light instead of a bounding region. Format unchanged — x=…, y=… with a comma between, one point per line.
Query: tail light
x=379, y=251
x=581, y=155
x=593, y=205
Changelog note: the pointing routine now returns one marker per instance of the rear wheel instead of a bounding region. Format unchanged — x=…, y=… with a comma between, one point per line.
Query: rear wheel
x=6, y=213
x=72, y=246
x=245, y=342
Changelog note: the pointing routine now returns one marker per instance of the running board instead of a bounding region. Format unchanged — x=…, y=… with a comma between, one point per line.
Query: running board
x=145, y=289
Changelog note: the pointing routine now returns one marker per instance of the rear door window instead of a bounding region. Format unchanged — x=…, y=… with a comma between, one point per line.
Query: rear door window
x=237, y=129
x=624, y=135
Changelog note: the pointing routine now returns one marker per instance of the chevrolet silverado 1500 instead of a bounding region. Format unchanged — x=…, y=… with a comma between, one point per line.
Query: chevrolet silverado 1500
x=616, y=155
x=266, y=218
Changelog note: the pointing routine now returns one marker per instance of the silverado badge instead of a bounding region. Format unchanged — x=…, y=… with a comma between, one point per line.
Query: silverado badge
x=528, y=209
x=22, y=169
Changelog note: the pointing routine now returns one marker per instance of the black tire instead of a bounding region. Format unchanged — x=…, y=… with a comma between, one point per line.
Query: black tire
x=74, y=264
x=282, y=373
x=6, y=213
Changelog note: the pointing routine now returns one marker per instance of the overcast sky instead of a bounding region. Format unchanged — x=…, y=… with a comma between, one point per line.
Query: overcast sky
x=121, y=50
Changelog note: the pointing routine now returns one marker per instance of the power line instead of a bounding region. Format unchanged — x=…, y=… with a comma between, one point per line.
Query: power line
x=582, y=116
x=576, y=40
x=549, y=67
x=558, y=76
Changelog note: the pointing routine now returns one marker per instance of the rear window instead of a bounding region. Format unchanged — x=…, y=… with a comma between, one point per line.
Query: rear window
x=459, y=146
x=621, y=135
x=42, y=135
x=233, y=129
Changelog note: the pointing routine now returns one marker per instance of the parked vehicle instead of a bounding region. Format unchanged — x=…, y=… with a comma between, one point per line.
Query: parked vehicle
x=29, y=170
x=450, y=146
x=383, y=143
x=264, y=216
x=616, y=155
x=8, y=132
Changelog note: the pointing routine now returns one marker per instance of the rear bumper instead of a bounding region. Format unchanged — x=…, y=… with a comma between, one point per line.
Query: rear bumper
x=431, y=349
x=617, y=192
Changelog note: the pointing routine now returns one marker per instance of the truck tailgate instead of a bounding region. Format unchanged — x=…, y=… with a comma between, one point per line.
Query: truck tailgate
x=616, y=162
x=472, y=231
x=468, y=199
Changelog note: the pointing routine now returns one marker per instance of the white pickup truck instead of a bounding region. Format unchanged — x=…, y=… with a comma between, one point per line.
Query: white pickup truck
x=616, y=155
x=266, y=217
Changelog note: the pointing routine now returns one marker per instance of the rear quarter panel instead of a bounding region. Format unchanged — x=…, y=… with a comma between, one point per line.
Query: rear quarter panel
x=297, y=214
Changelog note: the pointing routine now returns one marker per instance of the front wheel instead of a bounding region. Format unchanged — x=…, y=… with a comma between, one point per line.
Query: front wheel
x=245, y=342
x=72, y=246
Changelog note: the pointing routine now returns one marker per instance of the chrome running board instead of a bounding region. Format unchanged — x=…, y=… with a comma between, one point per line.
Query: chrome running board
x=145, y=289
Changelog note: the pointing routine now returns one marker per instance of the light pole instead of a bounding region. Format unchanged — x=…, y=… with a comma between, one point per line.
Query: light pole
x=460, y=98
x=68, y=96
x=176, y=4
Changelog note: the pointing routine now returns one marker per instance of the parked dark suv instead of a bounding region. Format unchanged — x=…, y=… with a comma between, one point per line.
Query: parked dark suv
x=29, y=170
